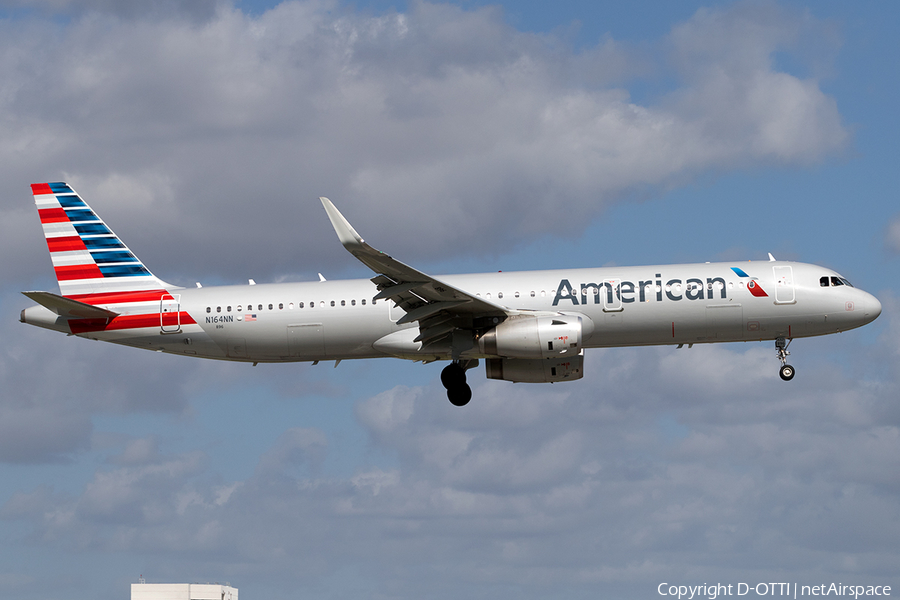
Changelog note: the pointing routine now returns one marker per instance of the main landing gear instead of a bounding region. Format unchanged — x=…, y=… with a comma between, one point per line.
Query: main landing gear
x=454, y=379
x=786, y=371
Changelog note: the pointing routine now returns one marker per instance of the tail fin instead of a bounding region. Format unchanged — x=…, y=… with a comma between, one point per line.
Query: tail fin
x=87, y=256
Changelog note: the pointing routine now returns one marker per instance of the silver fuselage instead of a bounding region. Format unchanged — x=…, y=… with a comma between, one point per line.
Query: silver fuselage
x=623, y=306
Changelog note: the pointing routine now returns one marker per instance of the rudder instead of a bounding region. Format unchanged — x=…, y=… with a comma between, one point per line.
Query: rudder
x=87, y=256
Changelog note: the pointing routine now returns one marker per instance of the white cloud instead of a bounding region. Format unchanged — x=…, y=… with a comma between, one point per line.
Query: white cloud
x=892, y=238
x=191, y=133
x=531, y=488
x=213, y=139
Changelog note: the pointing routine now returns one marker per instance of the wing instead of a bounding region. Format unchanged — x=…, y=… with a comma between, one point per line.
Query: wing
x=439, y=308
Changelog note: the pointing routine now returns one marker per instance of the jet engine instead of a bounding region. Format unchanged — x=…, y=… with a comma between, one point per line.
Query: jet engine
x=542, y=337
x=536, y=370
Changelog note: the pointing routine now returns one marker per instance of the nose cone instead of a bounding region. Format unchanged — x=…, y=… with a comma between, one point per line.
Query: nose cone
x=873, y=307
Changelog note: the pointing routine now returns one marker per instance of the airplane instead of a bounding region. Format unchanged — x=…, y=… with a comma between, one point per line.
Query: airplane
x=530, y=326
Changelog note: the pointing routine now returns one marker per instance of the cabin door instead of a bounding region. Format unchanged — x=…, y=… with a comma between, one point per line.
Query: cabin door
x=170, y=313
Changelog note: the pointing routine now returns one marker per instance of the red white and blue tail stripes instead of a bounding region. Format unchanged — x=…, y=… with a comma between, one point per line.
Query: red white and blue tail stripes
x=87, y=256
x=94, y=267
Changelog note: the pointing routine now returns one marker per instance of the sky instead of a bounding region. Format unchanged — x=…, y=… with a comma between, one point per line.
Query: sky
x=459, y=137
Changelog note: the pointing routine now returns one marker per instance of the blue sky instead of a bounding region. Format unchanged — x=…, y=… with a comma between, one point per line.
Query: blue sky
x=459, y=137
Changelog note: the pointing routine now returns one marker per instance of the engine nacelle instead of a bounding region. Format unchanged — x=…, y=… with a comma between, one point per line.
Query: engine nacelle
x=534, y=337
x=536, y=370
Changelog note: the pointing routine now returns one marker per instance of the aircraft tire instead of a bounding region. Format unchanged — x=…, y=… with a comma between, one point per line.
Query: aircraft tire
x=786, y=372
x=459, y=395
x=453, y=375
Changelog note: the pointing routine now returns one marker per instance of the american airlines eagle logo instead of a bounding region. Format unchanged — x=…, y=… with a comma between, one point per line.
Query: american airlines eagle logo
x=752, y=284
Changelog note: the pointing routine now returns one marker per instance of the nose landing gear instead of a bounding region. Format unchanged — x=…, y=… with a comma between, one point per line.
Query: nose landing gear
x=787, y=371
x=453, y=377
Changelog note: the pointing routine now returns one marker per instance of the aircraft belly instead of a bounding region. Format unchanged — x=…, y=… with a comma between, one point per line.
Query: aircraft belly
x=318, y=336
x=652, y=324
x=265, y=341
x=190, y=340
x=352, y=335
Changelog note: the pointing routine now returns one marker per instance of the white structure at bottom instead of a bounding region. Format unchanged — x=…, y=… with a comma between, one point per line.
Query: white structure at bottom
x=182, y=591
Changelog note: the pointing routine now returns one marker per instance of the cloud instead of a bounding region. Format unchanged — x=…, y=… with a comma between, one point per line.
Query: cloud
x=204, y=144
x=195, y=9
x=892, y=237
x=203, y=141
x=647, y=469
x=53, y=386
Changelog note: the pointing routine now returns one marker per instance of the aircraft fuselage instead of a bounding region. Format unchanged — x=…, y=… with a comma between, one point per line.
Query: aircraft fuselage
x=530, y=326
x=627, y=306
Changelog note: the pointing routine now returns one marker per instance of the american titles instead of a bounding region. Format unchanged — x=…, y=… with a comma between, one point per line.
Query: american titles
x=614, y=292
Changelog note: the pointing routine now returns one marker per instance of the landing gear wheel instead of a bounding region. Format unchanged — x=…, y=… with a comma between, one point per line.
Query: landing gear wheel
x=454, y=379
x=781, y=349
x=459, y=395
x=786, y=372
x=453, y=375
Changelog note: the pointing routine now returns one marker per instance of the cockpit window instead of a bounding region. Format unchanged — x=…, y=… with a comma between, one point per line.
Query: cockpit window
x=833, y=281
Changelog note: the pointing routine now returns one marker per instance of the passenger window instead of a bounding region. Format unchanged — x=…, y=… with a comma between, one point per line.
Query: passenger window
x=208, y=309
x=499, y=295
x=343, y=303
x=332, y=302
x=517, y=294
x=280, y=306
x=364, y=301
x=218, y=309
x=291, y=306
x=532, y=293
x=270, y=307
x=353, y=303
x=228, y=309
x=823, y=281
x=239, y=308
x=299, y=305
x=260, y=307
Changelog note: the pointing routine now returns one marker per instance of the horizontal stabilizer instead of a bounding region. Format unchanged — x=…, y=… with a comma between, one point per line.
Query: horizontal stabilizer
x=68, y=308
